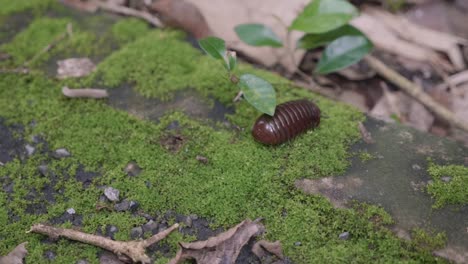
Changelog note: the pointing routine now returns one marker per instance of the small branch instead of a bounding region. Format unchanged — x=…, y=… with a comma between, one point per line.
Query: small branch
x=130, y=12
x=135, y=250
x=51, y=45
x=416, y=92
x=15, y=70
x=238, y=97
x=84, y=93
x=317, y=89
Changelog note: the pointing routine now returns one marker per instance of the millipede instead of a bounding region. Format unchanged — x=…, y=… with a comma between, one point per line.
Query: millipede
x=290, y=120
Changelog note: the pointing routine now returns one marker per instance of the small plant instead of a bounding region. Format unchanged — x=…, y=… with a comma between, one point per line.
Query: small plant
x=258, y=92
x=325, y=23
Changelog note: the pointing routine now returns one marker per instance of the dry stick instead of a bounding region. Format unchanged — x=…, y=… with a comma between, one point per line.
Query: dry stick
x=84, y=93
x=54, y=42
x=135, y=250
x=130, y=12
x=416, y=92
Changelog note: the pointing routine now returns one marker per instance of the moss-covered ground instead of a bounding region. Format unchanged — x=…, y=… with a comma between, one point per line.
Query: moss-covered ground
x=242, y=178
x=450, y=184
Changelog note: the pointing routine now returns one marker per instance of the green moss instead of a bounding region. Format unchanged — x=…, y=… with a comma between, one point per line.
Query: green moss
x=127, y=30
x=242, y=179
x=36, y=37
x=27, y=46
x=9, y=7
x=428, y=240
x=450, y=184
x=365, y=156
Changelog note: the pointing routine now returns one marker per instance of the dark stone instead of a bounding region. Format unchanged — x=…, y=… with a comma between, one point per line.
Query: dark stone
x=123, y=206
x=111, y=230
x=85, y=177
x=50, y=255
x=9, y=187
x=151, y=227
x=297, y=244
x=173, y=125
x=134, y=206
x=75, y=219
x=11, y=147
x=106, y=257
x=43, y=170
x=132, y=169
x=136, y=232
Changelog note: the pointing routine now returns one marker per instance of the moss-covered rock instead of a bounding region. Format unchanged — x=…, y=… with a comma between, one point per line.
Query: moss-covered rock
x=242, y=179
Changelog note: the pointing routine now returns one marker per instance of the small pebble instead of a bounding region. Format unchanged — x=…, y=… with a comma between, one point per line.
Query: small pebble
x=416, y=167
x=188, y=221
x=446, y=179
x=112, y=194
x=30, y=149
x=111, y=230
x=71, y=211
x=50, y=255
x=35, y=139
x=133, y=205
x=123, y=206
x=202, y=159
x=82, y=261
x=132, y=169
x=136, y=232
x=61, y=153
x=43, y=170
x=344, y=236
x=150, y=226
x=298, y=243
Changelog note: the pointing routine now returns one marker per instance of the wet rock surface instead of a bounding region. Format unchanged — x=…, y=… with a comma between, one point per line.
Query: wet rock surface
x=396, y=179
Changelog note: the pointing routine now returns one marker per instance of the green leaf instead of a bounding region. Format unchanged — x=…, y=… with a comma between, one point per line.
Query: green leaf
x=343, y=52
x=311, y=41
x=213, y=46
x=258, y=35
x=324, y=15
x=259, y=93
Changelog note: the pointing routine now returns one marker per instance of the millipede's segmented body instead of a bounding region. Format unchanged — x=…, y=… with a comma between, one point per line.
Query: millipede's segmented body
x=290, y=119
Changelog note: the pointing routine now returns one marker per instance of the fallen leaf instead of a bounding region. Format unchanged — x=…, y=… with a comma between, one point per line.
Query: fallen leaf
x=223, y=248
x=74, y=67
x=262, y=248
x=184, y=15
x=16, y=256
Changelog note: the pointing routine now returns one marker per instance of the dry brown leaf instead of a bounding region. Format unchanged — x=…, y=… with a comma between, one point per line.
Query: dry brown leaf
x=16, y=256
x=74, y=67
x=397, y=35
x=184, y=15
x=262, y=248
x=223, y=248
x=434, y=40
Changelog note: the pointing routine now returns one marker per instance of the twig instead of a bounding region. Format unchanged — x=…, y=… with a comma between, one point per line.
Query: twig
x=54, y=42
x=135, y=250
x=416, y=92
x=20, y=70
x=130, y=12
x=317, y=89
x=238, y=97
x=84, y=93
